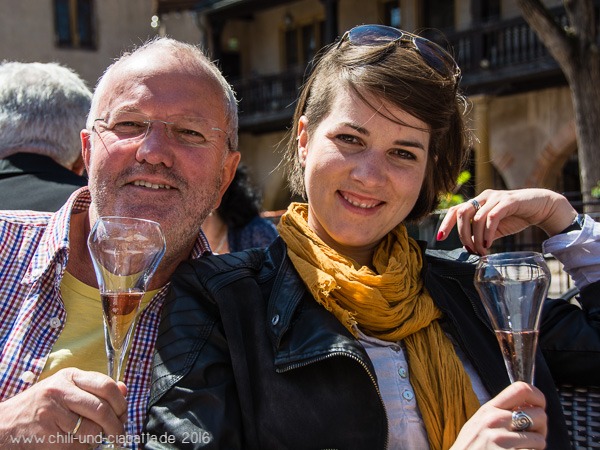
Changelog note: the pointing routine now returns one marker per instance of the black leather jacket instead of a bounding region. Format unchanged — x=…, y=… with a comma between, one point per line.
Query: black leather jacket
x=245, y=357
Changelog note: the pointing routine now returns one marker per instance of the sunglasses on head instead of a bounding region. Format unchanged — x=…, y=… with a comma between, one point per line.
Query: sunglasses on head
x=435, y=56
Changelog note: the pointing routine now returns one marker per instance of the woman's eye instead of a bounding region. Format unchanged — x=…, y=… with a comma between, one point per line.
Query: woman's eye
x=404, y=154
x=348, y=138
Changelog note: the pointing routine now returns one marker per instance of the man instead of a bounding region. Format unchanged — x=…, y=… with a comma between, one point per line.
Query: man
x=42, y=111
x=161, y=144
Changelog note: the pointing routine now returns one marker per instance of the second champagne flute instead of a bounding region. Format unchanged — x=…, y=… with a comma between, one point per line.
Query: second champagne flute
x=513, y=287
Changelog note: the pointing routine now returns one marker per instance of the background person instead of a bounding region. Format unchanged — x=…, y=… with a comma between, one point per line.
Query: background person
x=237, y=224
x=160, y=144
x=343, y=333
x=42, y=110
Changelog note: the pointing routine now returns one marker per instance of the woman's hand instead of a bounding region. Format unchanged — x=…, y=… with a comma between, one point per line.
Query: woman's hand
x=503, y=213
x=491, y=426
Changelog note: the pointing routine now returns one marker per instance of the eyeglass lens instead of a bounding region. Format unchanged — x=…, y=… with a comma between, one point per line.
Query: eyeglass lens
x=184, y=130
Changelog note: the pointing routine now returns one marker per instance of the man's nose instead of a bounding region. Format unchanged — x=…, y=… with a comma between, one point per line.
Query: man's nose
x=155, y=146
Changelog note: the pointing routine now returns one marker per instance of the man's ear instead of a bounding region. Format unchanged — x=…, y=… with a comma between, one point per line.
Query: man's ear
x=302, y=139
x=78, y=166
x=231, y=162
x=86, y=148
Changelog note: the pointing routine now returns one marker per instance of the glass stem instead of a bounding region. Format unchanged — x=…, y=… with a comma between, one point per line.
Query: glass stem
x=114, y=364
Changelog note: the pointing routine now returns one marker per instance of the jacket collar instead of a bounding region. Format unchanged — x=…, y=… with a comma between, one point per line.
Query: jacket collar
x=302, y=331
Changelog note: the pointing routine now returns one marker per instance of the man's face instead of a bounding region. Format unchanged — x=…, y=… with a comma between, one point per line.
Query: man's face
x=160, y=176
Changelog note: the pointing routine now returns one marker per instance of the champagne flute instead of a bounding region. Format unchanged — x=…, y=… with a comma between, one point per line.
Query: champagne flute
x=125, y=252
x=513, y=287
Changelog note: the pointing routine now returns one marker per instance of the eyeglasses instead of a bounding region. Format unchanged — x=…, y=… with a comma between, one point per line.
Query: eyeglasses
x=134, y=127
x=435, y=56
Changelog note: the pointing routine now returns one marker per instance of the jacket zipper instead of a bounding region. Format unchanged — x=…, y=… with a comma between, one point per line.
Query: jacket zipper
x=364, y=366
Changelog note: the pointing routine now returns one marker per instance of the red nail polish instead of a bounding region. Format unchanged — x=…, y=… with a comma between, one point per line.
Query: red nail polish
x=470, y=250
x=485, y=244
x=440, y=235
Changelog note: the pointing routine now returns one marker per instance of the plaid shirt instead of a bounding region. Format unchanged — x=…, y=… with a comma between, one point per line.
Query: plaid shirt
x=34, y=248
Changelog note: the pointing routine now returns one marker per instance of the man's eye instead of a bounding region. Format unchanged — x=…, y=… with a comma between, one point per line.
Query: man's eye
x=189, y=132
x=129, y=127
x=190, y=135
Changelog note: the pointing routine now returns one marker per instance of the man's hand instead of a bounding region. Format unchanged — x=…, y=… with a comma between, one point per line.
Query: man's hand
x=52, y=408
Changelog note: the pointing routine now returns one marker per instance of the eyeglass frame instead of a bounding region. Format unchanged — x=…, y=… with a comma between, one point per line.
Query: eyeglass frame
x=404, y=37
x=149, y=124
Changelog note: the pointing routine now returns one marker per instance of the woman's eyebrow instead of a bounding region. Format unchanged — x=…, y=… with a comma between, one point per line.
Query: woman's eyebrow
x=414, y=144
x=401, y=142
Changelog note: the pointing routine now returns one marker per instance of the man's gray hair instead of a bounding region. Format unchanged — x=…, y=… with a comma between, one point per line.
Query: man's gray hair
x=42, y=108
x=194, y=58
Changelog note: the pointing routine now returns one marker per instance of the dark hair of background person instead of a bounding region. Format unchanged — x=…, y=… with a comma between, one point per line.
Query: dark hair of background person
x=241, y=202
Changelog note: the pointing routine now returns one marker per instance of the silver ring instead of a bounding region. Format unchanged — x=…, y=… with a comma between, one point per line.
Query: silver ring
x=78, y=424
x=521, y=421
x=475, y=204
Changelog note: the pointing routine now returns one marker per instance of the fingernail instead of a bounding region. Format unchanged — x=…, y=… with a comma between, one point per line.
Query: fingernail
x=440, y=235
x=469, y=249
x=485, y=244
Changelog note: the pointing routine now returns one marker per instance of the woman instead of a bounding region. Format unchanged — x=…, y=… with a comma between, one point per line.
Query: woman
x=343, y=333
x=236, y=224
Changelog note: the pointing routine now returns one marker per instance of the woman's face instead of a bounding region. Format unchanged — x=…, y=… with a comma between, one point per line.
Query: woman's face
x=363, y=172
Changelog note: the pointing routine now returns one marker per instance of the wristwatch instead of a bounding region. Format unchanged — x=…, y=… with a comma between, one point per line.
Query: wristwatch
x=576, y=225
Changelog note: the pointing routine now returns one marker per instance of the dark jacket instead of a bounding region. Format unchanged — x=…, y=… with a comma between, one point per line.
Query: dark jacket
x=36, y=182
x=246, y=358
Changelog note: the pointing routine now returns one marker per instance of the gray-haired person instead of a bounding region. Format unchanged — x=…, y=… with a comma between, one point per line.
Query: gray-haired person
x=43, y=107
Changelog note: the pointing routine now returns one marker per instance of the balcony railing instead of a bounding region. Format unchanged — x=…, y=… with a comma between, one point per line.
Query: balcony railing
x=503, y=53
x=267, y=102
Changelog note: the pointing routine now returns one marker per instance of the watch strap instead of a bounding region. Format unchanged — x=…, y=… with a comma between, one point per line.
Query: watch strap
x=576, y=225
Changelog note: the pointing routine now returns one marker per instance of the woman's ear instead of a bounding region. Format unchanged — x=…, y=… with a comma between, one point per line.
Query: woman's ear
x=302, y=139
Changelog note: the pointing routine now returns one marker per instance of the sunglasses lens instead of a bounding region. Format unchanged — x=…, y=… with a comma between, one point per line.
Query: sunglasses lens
x=372, y=35
x=436, y=57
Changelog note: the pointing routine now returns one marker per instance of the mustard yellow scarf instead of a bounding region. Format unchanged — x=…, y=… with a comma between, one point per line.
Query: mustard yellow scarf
x=391, y=304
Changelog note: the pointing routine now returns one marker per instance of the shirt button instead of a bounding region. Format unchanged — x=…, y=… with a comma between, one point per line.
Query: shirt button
x=54, y=322
x=28, y=377
x=275, y=319
x=396, y=348
x=408, y=395
x=402, y=372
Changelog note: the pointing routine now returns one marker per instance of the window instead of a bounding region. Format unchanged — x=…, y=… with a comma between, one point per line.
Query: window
x=438, y=14
x=391, y=13
x=302, y=43
x=74, y=24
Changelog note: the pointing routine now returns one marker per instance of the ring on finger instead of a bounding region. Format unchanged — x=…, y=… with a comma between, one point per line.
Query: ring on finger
x=475, y=204
x=521, y=421
x=77, y=425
